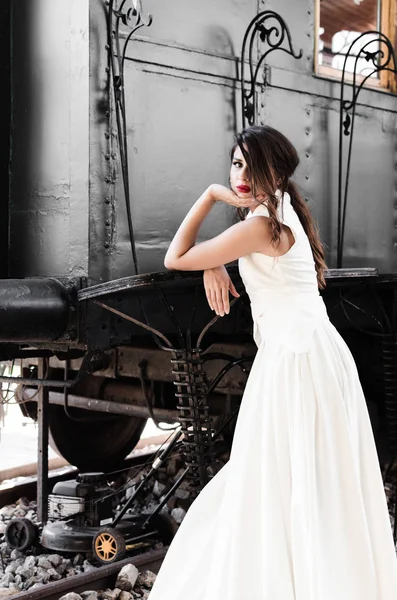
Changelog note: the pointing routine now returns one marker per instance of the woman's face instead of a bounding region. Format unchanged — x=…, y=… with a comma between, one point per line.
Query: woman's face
x=240, y=175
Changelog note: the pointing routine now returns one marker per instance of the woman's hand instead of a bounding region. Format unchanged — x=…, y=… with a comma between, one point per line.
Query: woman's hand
x=218, y=284
x=220, y=193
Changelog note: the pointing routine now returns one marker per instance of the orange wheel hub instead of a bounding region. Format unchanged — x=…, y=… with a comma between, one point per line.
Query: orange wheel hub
x=106, y=546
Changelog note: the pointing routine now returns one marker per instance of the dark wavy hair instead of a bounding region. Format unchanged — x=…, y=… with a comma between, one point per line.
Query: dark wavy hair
x=272, y=160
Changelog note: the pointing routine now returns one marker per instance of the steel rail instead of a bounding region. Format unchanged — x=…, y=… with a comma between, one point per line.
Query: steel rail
x=100, y=579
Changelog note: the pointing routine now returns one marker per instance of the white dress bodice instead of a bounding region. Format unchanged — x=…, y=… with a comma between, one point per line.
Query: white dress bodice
x=285, y=301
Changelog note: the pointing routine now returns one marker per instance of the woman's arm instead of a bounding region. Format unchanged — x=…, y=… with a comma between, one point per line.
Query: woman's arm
x=217, y=285
x=240, y=239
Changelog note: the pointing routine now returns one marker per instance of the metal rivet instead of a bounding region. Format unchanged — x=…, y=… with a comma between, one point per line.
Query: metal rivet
x=107, y=200
x=308, y=111
x=306, y=176
x=307, y=155
x=107, y=156
x=307, y=199
x=107, y=135
x=107, y=223
x=107, y=46
x=106, y=244
x=107, y=180
x=107, y=113
x=308, y=34
x=307, y=131
x=107, y=69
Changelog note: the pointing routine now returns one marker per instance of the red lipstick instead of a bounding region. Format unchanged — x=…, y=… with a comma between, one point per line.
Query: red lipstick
x=244, y=189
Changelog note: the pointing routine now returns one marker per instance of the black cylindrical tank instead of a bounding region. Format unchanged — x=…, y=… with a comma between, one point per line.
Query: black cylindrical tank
x=33, y=310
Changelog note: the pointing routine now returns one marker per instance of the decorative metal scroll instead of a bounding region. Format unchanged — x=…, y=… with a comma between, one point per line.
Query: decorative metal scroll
x=274, y=33
x=128, y=13
x=381, y=59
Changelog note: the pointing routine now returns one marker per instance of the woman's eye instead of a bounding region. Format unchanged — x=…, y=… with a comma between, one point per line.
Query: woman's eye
x=237, y=164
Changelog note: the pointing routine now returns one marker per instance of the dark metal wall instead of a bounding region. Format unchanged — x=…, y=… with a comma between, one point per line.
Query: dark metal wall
x=5, y=123
x=67, y=211
x=180, y=79
x=183, y=94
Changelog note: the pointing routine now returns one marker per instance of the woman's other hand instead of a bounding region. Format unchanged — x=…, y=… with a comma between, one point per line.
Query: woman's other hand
x=218, y=284
x=220, y=193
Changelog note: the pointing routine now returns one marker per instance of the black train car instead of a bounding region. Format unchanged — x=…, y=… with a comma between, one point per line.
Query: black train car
x=114, y=124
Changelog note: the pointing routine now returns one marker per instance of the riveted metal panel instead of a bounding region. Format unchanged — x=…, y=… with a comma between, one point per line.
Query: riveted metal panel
x=183, y=106
x=207, y=26
x=183, y=99
x=179, y=146
x=306, y=108
x=181, y=117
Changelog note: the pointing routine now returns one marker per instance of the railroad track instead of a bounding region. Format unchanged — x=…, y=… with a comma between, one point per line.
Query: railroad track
x=100, y=579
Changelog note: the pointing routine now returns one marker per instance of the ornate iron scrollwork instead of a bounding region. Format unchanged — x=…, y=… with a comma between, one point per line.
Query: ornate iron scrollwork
x=128, y=13
x=272, y=31
x=381, y=59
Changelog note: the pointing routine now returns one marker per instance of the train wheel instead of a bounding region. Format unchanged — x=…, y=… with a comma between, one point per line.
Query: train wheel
x=20, y=534
x=92, y=441
x=108, y=545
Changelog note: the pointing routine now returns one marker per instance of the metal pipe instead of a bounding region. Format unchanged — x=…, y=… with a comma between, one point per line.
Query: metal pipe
x=42, y=449
x=35, y=309
x=94, y=404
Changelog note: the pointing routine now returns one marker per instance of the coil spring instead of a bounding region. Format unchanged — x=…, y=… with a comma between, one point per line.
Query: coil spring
x=192, y=386
x=389, y=364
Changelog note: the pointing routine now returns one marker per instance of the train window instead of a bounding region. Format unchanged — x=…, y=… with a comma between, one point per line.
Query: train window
x=339, y=23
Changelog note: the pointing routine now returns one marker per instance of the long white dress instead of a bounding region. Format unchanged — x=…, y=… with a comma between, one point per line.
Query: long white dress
x=299, y=511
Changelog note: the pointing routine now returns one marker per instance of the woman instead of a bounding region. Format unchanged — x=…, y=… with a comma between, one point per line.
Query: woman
x=299, y=512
